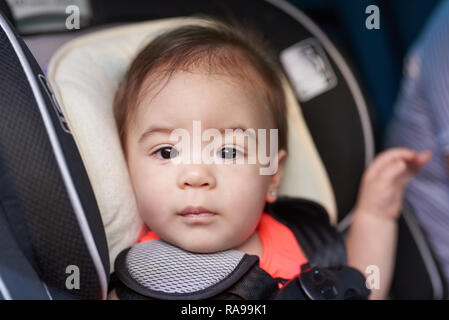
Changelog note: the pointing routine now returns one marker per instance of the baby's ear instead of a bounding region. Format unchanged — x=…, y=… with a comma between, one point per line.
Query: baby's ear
x=282, y=155
x=275, y=182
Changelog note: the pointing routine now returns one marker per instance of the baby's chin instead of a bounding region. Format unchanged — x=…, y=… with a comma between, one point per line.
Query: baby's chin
x=202, y=246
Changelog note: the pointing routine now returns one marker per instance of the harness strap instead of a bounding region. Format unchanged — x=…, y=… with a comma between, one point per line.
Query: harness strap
x=321, y=243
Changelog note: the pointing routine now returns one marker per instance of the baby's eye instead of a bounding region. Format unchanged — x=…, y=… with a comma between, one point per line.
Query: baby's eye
x=166, y=153
x=229, y=153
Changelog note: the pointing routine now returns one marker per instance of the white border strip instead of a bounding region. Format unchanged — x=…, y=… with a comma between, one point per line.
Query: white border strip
x=352, y=83
x=3, y=289
x=76, y=203
x=46, y=290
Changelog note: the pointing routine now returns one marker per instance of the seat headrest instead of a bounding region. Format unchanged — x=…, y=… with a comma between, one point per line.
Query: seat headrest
x=85, y=74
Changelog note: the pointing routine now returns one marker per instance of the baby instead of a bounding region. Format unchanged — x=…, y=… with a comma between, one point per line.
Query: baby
x=224, y=80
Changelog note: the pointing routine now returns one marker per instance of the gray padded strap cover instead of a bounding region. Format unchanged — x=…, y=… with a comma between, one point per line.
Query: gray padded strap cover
x=159, y=270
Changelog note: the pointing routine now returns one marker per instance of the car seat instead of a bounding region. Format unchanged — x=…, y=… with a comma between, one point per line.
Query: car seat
x=56, y=202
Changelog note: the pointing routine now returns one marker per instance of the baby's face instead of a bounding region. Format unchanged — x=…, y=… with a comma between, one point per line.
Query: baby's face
x=232, y=195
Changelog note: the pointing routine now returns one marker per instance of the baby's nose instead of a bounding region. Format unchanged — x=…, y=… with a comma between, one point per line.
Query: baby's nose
x=196, y=177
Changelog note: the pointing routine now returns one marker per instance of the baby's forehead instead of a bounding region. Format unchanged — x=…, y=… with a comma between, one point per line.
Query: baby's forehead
x=179, y=88
x=244, y=72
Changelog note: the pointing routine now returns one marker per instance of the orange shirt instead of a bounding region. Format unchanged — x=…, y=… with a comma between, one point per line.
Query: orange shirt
x=281, y=256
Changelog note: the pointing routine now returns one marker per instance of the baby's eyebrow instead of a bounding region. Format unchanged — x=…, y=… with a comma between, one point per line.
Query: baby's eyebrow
x=151, y=130
x=244, y=130
x=167, y=130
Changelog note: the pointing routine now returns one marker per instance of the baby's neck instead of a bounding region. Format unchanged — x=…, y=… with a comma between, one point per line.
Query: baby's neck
x=252, y=246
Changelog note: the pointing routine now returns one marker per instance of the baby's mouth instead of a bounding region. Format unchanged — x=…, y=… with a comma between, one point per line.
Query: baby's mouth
x=197, y=214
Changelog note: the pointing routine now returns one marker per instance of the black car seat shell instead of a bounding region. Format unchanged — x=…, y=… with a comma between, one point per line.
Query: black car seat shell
x=50, y=188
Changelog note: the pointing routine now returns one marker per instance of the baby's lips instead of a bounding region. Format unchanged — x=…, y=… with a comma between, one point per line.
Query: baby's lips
x=194, y=210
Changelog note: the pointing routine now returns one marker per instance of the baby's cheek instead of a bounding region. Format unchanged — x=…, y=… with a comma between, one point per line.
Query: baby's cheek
x=151, y=199
x=248, y=195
